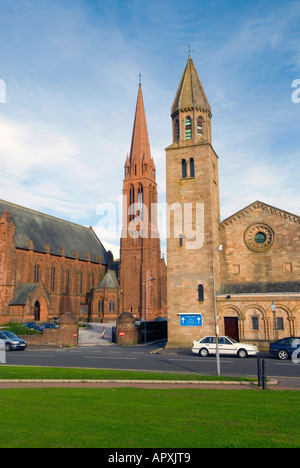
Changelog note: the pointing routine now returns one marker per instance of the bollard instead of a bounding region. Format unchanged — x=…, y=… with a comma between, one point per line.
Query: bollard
x=2, y=352
x=103, y=333
x=264, y=377
x=259, y=377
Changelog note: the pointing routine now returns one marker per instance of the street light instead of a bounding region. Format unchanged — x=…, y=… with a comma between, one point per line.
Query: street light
x=219, y=249
x=273, y=306
x=145, y=308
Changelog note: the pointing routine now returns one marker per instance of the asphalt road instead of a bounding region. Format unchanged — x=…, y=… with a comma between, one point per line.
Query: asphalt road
x=151, y=357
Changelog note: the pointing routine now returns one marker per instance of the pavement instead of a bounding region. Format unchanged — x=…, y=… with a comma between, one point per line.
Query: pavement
x=95, y=334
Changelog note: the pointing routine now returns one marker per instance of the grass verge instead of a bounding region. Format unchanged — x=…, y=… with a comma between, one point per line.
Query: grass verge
x=61, y=373
x=140, y=418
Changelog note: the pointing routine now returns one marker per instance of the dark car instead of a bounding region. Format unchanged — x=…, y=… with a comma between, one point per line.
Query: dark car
x=12, y=341
x=47, y=325
x=284, y=348
x=31, y=325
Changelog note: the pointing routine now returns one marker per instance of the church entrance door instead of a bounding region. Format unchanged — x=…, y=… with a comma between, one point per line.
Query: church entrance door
x=232, y=327
x=37, y=311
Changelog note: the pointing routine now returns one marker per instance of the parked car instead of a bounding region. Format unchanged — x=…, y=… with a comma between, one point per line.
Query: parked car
x=31, y=325
x=227, y=345
x=47, y=325
x=12, y=341
x=284, y=348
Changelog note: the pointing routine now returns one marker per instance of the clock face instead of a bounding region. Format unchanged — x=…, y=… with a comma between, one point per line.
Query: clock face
x=259, y=237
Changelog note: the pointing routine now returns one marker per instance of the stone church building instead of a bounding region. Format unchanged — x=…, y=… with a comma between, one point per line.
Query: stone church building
x=239, y=276
x=49, y=266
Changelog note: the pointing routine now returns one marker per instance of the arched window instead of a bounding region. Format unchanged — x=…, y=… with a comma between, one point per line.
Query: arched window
x=53, y=274
x=131, y=203
x=140, y=202
x=111, y=305
x=36, y=273
x=188, y=128
x=192, y=167
x=183, y=168
x=68, y=281
x=177, y=130
x=200, y=126
x=81, y=282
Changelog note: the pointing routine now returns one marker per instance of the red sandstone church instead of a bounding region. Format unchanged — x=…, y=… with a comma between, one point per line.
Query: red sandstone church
x=49, y=266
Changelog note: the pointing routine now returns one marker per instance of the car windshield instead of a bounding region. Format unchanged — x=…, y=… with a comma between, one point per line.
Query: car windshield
x=10, y=334
x=231, y=339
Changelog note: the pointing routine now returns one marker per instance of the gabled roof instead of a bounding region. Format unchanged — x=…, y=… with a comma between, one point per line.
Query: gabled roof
x=59, y=237
x=262, y=206
x=21, y=293
x=190, y=93
x=109, y=280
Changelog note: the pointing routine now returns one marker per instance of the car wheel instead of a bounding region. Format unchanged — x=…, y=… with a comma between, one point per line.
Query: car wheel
x=203, y=352
x=242, y=353
x=7, y=347
x=282, y=354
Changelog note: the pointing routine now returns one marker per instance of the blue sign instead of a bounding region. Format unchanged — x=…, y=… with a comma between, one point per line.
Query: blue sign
x=191, y=320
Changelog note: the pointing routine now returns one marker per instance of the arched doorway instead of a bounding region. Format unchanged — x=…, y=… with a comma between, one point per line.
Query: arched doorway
x=40, y=310
x=37, y=311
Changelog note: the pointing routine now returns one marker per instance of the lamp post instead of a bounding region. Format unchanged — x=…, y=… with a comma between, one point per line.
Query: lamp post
x=219, y=249
x=273, y=306
x=145, y=307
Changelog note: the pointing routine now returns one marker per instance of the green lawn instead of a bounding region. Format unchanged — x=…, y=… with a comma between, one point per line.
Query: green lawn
x=23, y=372
x=140, y=418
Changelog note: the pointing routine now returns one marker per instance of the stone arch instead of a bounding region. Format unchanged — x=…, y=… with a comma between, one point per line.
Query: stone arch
x=295, y=319
x=41, y=309
x=255, y=323
x=229, y=312
x=40, y=302
x=281, y=322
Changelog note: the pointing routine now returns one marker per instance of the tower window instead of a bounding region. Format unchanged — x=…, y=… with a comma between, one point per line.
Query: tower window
x=183, y=168
x=131, y=203
x=188, y=128
x=140, y=202
x=192, y=167
x=177, y=130
x=200, y=126
x=200, y=292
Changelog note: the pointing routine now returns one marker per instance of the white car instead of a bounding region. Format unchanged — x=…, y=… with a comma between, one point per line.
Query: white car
x=227, y=345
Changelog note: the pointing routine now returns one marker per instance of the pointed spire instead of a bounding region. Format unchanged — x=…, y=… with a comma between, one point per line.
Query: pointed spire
x=190, y=93
x=140, y=147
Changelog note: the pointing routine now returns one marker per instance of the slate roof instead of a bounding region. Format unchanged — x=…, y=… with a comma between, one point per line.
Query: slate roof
x=261, y=288
x=43, y=229
x=21, y=293
x=109, y=280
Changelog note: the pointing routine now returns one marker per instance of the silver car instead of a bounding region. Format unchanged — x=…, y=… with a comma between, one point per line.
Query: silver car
x=12, y=341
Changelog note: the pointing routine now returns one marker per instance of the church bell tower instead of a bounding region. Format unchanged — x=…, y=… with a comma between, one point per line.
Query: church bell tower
x=194, y=214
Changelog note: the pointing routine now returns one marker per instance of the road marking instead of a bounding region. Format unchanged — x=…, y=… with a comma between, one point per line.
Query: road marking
x=202, y=360
x=110, y=357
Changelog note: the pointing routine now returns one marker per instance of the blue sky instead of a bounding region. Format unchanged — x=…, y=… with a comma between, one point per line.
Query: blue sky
x=71, y=67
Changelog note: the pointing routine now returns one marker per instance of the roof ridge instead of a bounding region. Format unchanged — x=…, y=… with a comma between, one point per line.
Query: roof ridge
x=258, y=202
